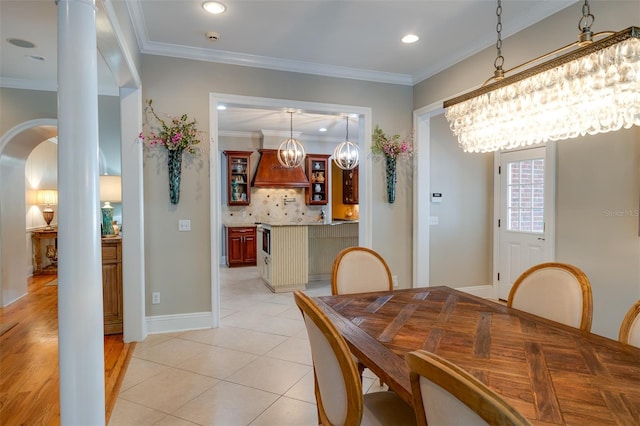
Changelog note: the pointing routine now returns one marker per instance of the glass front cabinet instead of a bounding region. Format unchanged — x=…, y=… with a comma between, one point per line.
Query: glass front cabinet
x=238, y=178
x=318, y=174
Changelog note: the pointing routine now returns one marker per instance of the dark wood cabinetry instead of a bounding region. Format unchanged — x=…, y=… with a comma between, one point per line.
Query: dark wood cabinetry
x=318, y=174
x=241, y=246
x=112, y=284
x=238, y=178
x=350, y=186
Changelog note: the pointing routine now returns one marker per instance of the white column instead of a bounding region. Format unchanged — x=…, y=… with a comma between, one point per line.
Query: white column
x=80, y=318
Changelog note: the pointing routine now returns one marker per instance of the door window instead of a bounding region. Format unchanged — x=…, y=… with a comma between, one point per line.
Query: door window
x=525, y=195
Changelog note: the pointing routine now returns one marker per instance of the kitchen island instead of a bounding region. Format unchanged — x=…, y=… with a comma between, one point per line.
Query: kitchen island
x=289, y=255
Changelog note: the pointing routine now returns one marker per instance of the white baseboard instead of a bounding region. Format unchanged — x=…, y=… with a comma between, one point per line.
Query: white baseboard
x=179, y=322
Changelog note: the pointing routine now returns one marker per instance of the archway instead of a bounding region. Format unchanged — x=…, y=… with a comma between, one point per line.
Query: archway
x=15, y=147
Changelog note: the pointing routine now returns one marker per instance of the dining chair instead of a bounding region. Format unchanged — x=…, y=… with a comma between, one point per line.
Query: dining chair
x=338, y=388
x=630, y=327
x=444, y=394
x=556, y=291
x=359, y=270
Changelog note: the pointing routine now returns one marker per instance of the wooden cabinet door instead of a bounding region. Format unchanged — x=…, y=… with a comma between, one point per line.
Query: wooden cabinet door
x=250, y=256
x=350, y=186
x=234, y=249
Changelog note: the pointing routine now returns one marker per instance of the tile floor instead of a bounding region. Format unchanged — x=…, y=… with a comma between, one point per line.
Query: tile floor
x=255, y=369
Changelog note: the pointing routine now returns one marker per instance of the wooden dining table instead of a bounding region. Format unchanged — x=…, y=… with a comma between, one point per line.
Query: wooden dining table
x=551, y=373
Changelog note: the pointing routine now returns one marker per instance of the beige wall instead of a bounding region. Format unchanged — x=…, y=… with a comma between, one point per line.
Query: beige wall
x=177, y=264
x=598, y=177
x=460, y=245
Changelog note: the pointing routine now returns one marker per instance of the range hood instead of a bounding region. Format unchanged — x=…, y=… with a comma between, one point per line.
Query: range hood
x=271, y=174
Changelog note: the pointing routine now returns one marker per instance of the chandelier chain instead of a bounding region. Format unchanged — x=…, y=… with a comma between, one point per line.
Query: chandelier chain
x=499, y=58
x=585, y=22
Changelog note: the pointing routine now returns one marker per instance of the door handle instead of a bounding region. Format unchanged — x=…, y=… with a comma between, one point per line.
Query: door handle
x=542, y=239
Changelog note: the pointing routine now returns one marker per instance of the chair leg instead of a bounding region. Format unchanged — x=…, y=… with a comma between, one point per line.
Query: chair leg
x=361, y=368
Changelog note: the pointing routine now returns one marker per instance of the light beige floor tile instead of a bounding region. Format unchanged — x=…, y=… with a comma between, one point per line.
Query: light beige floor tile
x=270, y=374
x=169, y=420
x=213, y=336
x=292, y=349
x=168, y=390
x=218, y=362
x=152, y=340
x=287, y=411
x=250, y=341
x=292, y=313
x=127, y=413
x=259, y=322
x=227, y=404
x=140, y=370
x=303, y=390
x=171, y=352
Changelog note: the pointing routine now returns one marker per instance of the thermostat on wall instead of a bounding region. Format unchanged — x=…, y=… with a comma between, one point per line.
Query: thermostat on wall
x=436, y=197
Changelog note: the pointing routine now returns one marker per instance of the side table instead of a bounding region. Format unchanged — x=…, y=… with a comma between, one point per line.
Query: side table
x=36, y=238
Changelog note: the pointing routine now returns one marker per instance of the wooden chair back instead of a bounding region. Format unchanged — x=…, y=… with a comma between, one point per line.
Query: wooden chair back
x=630, y=327
x=444, y=394
x=359, y=270
x=337, y=381
x=556, y=291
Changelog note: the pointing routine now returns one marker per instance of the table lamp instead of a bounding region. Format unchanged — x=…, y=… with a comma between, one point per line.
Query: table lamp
x=47, y=198
x=110, y=192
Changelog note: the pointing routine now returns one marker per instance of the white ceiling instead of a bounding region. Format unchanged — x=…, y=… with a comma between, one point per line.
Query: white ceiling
x=357, y=39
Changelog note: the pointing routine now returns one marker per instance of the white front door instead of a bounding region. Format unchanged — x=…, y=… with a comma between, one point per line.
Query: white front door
x=523, y=240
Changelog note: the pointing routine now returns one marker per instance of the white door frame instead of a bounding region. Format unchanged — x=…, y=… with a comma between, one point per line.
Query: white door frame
x=549, y=207
x=365, y=228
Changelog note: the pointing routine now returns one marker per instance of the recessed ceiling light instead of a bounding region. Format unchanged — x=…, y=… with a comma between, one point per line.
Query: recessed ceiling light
x=21, y=43
x=36, y=58
x=410, y=38
x=222, y=107
x=322, y=129
x=214, y=7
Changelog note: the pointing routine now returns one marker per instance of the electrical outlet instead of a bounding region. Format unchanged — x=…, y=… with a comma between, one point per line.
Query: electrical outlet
x=394, y=278
x=155, y=298
x=433, y=220
x=184, y=225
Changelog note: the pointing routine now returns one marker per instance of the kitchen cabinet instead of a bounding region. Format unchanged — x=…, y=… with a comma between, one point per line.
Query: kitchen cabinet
x=241, y=246
x=318, y=174
x=350, y=186
x=238, y=178
x=112, y=284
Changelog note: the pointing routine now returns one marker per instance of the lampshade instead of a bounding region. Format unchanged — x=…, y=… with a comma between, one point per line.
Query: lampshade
x=291, y=151
x=111, y=188
x=47, y=197
x=346, y=155
x=592, y=89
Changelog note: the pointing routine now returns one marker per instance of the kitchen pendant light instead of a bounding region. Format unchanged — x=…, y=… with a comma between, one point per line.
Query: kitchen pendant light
x=589, y=90
x=346, y=155
x=291, y=151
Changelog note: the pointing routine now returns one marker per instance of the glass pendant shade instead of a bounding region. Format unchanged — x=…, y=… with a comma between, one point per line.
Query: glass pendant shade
x=593, y=89
x=346, y=155
x=291, y=151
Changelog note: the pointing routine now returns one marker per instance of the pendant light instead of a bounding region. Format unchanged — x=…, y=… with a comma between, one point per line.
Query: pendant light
x=346, y=155
x=592, y=89
x=291, y=151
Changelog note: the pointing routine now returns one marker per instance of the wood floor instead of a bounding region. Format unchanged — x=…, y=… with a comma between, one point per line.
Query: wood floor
x=29, y=381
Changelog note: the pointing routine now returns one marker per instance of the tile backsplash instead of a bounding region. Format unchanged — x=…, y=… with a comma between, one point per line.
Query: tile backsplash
x=273, y=205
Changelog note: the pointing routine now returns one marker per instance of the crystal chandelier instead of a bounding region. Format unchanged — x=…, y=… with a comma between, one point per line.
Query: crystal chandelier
x=291, y=151
x=346, y=155
x=589, y=90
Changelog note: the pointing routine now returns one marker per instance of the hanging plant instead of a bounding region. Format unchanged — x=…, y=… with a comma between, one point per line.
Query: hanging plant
x=177, y=135
x=392, y=148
